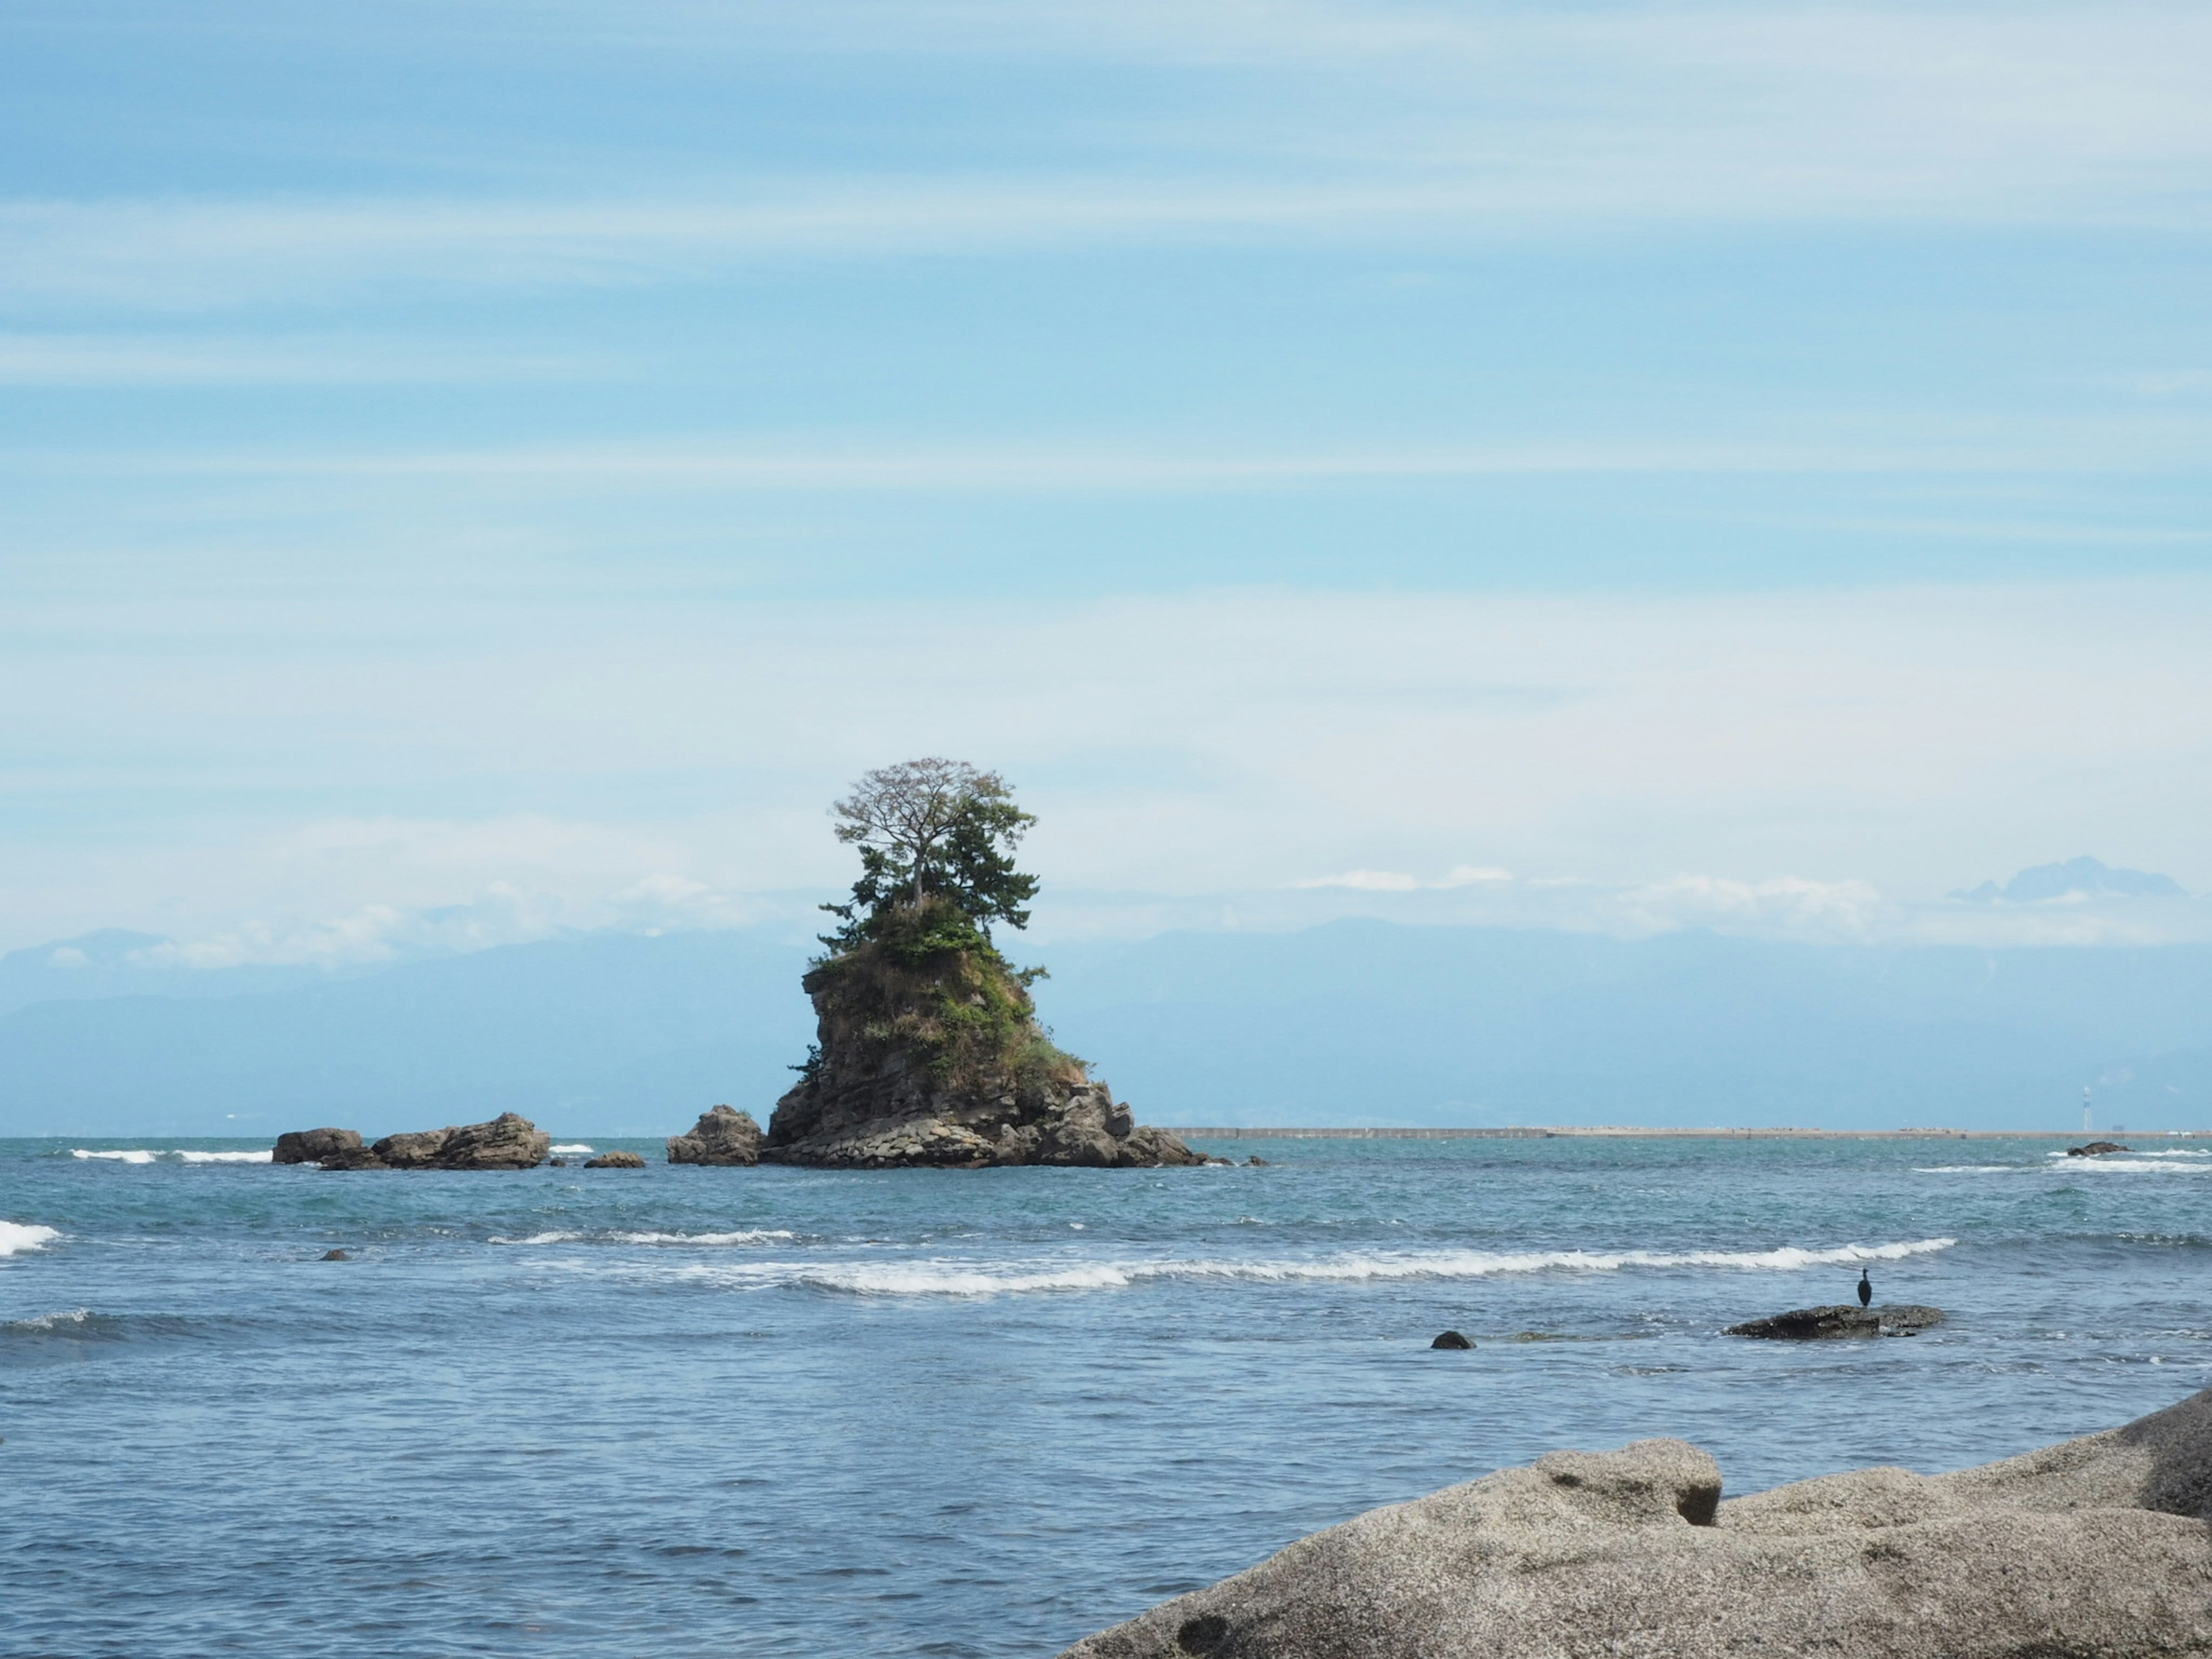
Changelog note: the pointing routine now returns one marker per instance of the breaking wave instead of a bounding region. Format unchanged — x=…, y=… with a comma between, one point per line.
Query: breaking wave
x=577, y=1146
x=19, y=1235
x=171, y=1154
x=945, y=1278
x=47, y=1324
x=749, y=1236
x=2195, y=1163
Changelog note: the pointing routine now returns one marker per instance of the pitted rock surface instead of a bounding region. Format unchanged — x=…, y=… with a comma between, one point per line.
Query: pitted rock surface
x=2095, y=1548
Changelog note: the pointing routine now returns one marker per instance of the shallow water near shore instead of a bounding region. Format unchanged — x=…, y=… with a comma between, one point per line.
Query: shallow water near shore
x=689, y=1411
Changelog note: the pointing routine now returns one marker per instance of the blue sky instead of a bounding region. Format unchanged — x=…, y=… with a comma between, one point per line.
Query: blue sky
x=1737, y=464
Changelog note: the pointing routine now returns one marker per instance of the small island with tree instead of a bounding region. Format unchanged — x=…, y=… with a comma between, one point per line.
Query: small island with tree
x=928, y=1050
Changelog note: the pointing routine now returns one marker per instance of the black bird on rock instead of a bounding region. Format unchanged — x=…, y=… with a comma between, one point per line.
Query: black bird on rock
x=1866, y=1290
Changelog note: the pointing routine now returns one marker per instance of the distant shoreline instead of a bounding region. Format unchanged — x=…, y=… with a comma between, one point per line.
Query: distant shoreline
x=1624, y=1133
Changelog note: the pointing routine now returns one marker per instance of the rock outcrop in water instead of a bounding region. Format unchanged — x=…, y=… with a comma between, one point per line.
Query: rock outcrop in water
x=929, y=1053
x=2096, y=1548
x=720, y=1136
x=313, y=1146
x=1840, y=1319
x=508, y=1142
x=2096, y=1149
x=929, y=1048
x=615, y=1161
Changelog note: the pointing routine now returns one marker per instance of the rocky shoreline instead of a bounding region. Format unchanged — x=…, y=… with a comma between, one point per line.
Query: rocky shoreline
x=2095, y=1548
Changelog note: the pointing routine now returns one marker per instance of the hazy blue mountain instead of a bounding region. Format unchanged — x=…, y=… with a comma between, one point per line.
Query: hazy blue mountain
x=1358, y=1022
x=115, y=962
x=2077, y=879
x=615, y=1032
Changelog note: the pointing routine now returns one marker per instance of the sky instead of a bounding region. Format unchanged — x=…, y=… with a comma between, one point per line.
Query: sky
x=477, y=468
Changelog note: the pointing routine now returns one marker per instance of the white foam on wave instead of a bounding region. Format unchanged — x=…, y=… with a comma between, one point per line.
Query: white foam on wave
x=749, y=1236
x=943, y=1278
x=2142, y=1164
x=179, y=1154
x=52, y=1322
x=224, y=1157
x=16, y=1236
x=136, y=1154
x=949, y=1278
x=2139, y=1165
x=578, y=1147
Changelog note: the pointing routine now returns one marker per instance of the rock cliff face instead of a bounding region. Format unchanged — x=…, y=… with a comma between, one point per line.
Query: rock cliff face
x=937, y=1059
x=2096, y=1548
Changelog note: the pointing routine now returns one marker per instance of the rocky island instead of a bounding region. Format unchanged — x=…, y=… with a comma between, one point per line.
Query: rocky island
x=928, y=1050
x=509, y=1141
x=2096, y=1548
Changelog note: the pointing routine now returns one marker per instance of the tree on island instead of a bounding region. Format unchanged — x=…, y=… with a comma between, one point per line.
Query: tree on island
x=934, y=836
x=927, y=1047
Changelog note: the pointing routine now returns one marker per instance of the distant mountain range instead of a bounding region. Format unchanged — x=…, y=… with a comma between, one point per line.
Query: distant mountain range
x=1354, y=1023
x=2072, y=881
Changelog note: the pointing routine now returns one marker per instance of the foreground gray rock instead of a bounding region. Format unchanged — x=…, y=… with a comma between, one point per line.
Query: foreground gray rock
x=508, y=1142
x=1840, y=1319
x=615, y=1161
x=720, y=1136
x=2095, y=1548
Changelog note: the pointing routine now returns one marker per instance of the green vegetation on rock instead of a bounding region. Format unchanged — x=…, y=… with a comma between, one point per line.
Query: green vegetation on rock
x=915, y=968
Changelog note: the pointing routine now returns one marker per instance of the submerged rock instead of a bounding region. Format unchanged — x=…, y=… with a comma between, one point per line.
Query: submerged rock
x=720, y=1136
x=2095, y=1548
x=2096, y=1149
x=314, y=1146
x=1839, y=1319
x=1451, y=1339
x=508, y=1142
x=615, y=1161
x=335, y=1255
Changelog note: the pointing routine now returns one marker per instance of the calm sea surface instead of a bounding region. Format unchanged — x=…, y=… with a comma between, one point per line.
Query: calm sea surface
x=767, y=1412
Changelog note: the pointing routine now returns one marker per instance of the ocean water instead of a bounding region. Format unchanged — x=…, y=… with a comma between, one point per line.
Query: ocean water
x=685, y=1412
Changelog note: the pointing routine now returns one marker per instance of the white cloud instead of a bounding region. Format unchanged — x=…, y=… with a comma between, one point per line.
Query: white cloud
x=1787, y=905
x=1223, y=743
x=1417, y=124
x=1365, y=881
x=371, y=935
x=146, y=360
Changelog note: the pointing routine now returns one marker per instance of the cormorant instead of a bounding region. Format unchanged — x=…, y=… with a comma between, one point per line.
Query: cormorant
x=1866, y=1290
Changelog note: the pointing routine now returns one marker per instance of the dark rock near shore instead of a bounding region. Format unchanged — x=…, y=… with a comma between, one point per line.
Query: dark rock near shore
x=314, y=1146
x=2096, y=1548
x=335, y=1255
x=1451, y=1339
x=509, y=1141
x=615, y=1161
x=722, y=1136
x=1837, y=1320
x=2096, y=1149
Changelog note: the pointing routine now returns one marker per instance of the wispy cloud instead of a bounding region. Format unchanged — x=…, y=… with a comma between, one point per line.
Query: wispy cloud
x=153, y=359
